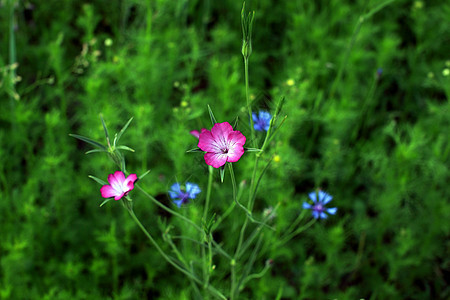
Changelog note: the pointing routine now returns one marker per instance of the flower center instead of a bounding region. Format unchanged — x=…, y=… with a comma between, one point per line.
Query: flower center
x=224, y=150
x=318, y=207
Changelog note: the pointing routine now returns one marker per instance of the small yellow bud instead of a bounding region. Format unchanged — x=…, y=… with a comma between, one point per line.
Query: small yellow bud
x=446, y=72
x=108, y=42
x=276, y=158
x=290, y=82
x=418, y=4
x=115, y=59
x=184, y=103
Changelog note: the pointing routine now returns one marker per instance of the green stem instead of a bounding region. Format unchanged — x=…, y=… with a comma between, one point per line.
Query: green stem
x=287, y=238
x=206, y=265
x=347, y=54
x=169, y=260
x=169, y=210
x=249, y=106
x=233, y=182
x=249, y=264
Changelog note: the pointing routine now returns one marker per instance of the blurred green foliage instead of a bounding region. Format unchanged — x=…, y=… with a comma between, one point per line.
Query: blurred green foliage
x=379, y=143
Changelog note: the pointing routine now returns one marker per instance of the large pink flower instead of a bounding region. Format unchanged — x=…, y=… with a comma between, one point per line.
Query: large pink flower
x=119, y=186
x=221, y=144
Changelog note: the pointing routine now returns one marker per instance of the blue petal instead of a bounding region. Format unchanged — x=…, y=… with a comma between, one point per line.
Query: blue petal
x=178, y=202
x=332, y=210
x=324, y=197
x=315, y=214
x=306, y=205
x=254, y=117
x=257, y=126
x=313, y=196
x=192, y=189
x=323, y=215
x=264, y=115
x=175, y=191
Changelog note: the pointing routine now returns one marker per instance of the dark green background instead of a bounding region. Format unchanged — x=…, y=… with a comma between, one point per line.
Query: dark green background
x=378, y=144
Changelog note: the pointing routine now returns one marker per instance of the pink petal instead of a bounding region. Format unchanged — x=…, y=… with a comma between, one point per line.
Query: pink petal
x=129, y=182
x=235, y=153
x=221, y=130
x=116, y=180
x=195, y=133
x=236, y=138
x=215, y=159
x=119, y=196
x=206, y=142
x=107, y=191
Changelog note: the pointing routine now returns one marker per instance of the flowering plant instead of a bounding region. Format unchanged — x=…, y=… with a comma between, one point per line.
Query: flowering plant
x=240, y=250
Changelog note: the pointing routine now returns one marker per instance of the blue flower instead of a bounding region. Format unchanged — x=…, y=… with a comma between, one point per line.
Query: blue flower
x=182, y=197
x=318, y=208
x=261, y=121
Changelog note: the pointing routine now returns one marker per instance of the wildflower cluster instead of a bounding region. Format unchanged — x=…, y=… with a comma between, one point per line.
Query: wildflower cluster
x=222, y=146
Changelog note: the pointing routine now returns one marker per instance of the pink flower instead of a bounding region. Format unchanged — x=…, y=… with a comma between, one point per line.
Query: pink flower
x=195, y=133
x=119, y=186
x=222, y=144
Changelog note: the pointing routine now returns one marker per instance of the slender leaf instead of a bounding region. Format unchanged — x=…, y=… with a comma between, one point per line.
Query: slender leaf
x=119, y=135
x=143, y=175
x=222, y=173
x=98, y=180
x=235, y=123
x=211, y=115
x=252, y=150
x=104, y=128
x=122, y=147
x=106, y=201
x=88, y=140
x=195, y=150
x=95, y=150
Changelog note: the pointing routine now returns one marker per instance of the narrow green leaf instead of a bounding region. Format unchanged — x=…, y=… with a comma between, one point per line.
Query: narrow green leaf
x=195, y=150
x=235, y=123
x=95, y=150
x=143, y=175
x=122, y=147
x=211, y=115
x=104, y=128
x=222, y=173
x=88, y=140
x=98, y=180
x=106, y=201
x=252, y=150
x=378, y=8
x=119, y=135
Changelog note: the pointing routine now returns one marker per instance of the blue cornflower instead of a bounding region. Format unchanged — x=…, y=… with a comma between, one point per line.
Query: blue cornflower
x=261, y=121
x=190, y=192
x=318, y=207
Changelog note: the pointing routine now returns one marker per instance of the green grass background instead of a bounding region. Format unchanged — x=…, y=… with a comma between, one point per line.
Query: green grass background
x=378, y=144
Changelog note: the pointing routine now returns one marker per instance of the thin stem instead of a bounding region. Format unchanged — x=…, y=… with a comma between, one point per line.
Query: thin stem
x=217, y=248
x=182, y=260
x=169, y=210
x=249, y=264
x=349, y=50
x=206, y=264
x=255, y=233
x=299, y=230
x=233, y=182
x=249, y=107
x=169, y=260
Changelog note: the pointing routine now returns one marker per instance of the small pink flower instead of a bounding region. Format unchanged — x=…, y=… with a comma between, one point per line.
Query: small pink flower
x=119, y=186
x=222, y=144
x=195, y=133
